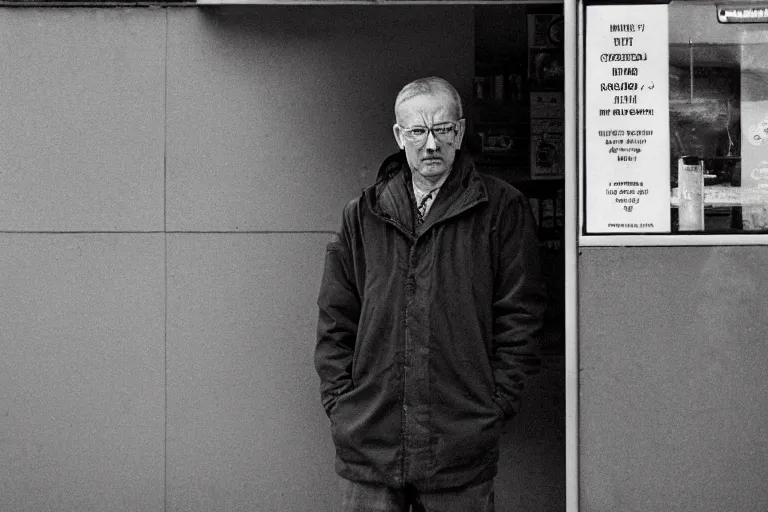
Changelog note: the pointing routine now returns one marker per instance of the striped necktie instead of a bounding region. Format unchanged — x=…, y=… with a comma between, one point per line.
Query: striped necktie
x=423, y=206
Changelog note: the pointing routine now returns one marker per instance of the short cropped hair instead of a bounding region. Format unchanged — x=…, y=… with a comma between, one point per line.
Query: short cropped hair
x=429, y=85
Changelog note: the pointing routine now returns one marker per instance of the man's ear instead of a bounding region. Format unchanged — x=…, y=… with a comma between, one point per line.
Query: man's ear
x=398, y=135
x=460, y=134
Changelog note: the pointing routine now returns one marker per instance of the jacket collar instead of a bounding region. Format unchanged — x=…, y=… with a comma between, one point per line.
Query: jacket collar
x=390, y=196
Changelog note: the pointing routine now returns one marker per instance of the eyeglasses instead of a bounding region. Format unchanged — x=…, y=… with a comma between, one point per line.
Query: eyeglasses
x=443, y=132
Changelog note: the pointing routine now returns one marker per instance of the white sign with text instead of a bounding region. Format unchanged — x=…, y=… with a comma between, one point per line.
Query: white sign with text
x=627, y=181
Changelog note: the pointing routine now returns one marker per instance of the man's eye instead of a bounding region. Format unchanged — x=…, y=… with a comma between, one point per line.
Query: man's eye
x=418, y=131
x=443, y=129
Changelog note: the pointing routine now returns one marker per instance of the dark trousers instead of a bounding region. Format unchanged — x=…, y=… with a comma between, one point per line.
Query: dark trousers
x=361, y=497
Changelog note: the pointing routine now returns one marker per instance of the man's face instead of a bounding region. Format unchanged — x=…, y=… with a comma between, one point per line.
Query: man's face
x=433, y=157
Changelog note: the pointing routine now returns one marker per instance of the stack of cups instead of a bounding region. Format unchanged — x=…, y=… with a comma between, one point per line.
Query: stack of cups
x=690, y=179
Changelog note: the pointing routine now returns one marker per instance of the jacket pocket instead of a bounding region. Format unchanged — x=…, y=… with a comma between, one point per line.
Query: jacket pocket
x=345, y=414
x=365, y=425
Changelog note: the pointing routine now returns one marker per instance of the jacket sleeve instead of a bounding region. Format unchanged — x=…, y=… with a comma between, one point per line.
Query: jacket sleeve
x=339, y=306
x=519, y=303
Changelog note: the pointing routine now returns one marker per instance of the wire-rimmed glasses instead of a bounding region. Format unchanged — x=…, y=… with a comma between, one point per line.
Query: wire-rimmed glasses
x=444, y=132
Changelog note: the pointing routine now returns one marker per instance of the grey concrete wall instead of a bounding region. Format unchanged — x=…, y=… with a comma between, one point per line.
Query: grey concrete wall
x=168, y=180
x=82, y=325
x=673, y=394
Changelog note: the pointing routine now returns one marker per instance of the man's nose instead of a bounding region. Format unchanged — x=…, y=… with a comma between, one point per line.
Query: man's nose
x=431, y=143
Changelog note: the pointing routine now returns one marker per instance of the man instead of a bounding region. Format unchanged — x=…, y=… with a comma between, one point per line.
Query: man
x=430, y=301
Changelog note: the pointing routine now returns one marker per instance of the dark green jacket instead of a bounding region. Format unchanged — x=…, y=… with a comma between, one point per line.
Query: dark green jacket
x=425, y=338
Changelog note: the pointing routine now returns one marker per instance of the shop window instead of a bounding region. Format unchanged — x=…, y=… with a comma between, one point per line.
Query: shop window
x=676, y=120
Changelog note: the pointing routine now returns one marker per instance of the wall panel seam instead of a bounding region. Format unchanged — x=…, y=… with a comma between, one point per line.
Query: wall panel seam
x=11, y=232
x=165, y=271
